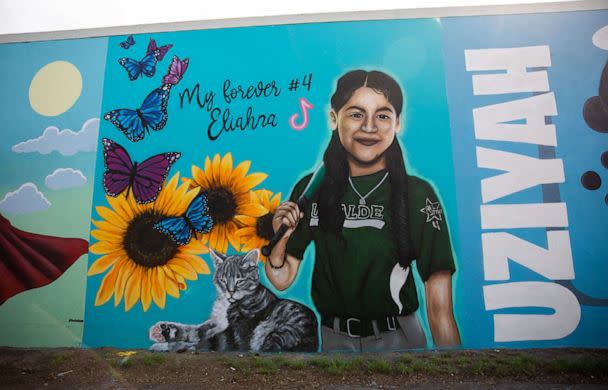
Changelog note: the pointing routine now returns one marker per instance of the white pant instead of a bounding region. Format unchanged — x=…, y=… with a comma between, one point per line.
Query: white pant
x=409, y=336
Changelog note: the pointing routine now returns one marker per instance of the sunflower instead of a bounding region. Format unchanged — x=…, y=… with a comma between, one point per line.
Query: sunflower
x=256, y=232
x=228, y=198
x=143, y=263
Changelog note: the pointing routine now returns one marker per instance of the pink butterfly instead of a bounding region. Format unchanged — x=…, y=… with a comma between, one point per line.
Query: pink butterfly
x=159, y=52
x=176, y=70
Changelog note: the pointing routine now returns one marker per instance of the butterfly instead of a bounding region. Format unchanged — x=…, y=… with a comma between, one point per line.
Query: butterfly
x=147, y=66
x=128, y=43
x=195, y=220
x=151, y=115
x=176, y=71
x=159, y=52
x=145, y=179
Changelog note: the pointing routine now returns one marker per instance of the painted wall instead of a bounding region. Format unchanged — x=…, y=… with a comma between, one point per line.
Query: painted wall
x=493, y=123
x=49, y=138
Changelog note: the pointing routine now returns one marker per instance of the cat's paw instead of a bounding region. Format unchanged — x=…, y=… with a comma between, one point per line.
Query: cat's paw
x=159, y=347
x=164, y=331
x=273, y=343
x=210, y=329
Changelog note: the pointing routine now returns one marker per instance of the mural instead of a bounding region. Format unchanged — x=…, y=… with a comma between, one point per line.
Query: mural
x=406, y=184
x=49, y=139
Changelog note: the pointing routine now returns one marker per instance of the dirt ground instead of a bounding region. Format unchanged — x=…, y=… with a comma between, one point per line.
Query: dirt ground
x=107, y=368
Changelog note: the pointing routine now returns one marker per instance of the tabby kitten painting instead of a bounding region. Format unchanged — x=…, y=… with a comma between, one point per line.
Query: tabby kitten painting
x=245, y=316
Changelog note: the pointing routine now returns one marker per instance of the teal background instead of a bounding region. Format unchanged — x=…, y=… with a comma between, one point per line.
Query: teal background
x=410, y=50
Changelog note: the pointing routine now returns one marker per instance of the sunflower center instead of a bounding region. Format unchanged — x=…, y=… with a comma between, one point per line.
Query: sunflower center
x=222, y=205
x=263, y=226
x=145, y=245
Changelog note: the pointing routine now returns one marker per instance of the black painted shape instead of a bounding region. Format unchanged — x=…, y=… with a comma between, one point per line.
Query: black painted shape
x=591, y=180
x=583, y=298
x=595, y=110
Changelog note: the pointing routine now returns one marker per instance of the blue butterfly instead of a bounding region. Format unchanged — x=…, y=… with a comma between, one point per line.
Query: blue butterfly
x=128, y=43
x=196, y=219
x=134, y=68
x=151, y=115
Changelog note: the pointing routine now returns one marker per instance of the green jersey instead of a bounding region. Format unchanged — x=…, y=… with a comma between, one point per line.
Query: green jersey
x=359, y=275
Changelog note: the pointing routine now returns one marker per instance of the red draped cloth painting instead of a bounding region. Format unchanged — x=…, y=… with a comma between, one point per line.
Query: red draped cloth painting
x=29, y=260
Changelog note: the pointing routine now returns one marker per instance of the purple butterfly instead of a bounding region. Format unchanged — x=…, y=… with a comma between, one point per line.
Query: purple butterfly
x=176, y=71
x=128, y=43
x=146, y=179
x=159, y=52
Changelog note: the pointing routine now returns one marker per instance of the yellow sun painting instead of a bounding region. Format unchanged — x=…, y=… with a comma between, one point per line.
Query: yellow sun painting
x=55, y=88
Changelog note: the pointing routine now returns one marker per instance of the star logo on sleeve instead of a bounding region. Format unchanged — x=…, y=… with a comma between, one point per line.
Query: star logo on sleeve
x=433, y=213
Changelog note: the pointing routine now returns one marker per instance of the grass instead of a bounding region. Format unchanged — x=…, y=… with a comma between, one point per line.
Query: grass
x=60, y=358
x=121, y=363
x=512, y=364
x=153, y=359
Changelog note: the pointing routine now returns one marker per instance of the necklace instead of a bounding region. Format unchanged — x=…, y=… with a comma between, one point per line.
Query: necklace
x=362, y=197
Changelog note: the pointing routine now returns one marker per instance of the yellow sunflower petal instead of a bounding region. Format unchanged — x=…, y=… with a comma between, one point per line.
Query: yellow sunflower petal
x=245, y=198
x=213, y=235
x=121, y=207
x=253, y=197
x=183, y=263
x=195, y=247
x=251, y=181
x=178, y=279
x=146, y=293
x=173, y=206
x=246, y=232
x=191, y=183
x=196, y=262
x=264, y=196
x=158, y=291
x=222, y=243
x=133, y=288
x=104, y=247
x=232, y=237
x=165, y=193
x=208, y=171
x=215, y=169
x=226, y=169
x=121, y=281
x=104, y=293
x=169, y=283
x=239, y=174
x=138, y=208
x=186, y=272
x=104, y=262
x=102, y=235
x=275, y=201
x=245, y=220
x=181, y=282
x=199, y=177
x=111, y=217
x=185, y=200
x=108, y=227
x=251, y=209
x=168, y=272
x=255, y=243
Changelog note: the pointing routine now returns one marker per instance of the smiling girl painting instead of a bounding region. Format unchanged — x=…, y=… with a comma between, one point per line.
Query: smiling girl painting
x=369, y=222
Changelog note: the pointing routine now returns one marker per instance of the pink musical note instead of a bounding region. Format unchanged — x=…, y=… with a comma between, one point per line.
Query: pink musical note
x=305, y=106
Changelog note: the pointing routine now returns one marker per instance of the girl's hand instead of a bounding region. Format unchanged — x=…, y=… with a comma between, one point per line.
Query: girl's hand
x=288, y=214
